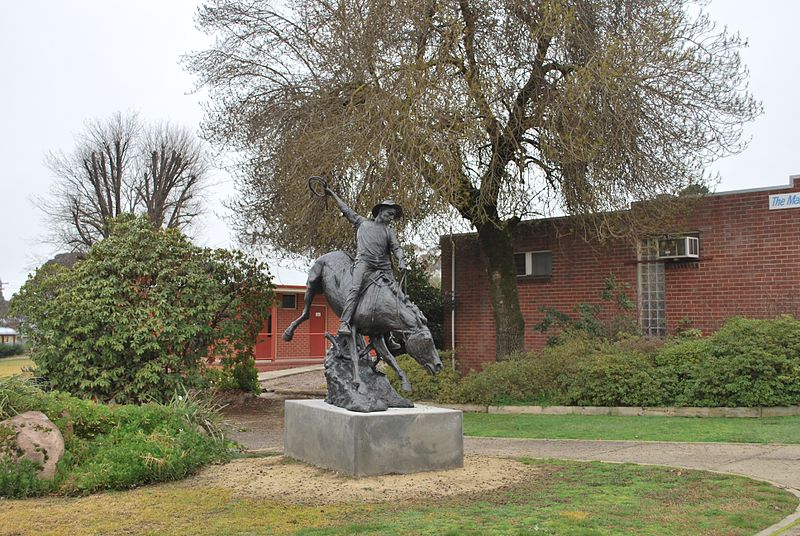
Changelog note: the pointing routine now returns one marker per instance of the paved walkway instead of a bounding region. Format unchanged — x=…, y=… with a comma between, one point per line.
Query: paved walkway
x=274, y=374
x=779, y=464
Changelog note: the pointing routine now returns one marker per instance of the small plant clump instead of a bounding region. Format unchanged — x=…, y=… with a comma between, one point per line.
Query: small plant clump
x=8, y=350
x=112, y=447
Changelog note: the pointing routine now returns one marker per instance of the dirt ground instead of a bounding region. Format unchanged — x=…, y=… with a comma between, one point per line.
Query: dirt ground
x=257, y=423
x=285, y=480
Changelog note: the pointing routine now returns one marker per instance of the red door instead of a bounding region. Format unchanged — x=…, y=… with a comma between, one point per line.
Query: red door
x=316, y=338
x=265, y=343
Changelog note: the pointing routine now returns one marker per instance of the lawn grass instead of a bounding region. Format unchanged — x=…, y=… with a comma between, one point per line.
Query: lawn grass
x=561, y=498
x=13, y=365
x=690, y=429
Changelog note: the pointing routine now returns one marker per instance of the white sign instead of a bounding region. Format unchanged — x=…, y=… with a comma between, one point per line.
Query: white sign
x=779, y=201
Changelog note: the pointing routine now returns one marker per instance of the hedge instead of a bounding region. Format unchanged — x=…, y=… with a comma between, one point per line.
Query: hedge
x=747, y=363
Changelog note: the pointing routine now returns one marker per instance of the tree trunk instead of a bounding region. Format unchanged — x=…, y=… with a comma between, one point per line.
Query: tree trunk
x=499, y=253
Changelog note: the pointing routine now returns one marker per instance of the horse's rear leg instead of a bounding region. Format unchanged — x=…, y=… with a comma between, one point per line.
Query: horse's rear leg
x=388, y=358
x=312, y=287
x=354, y=356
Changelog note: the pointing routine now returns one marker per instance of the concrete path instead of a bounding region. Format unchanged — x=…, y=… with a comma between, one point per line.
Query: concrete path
x=273, y=374
x=779, y=464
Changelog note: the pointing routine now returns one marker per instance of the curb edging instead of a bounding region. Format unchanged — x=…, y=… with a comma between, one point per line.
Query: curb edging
x=623, y=411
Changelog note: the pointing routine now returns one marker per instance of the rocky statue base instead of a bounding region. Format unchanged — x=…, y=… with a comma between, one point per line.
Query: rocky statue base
x=399, y=440
x=374, y=392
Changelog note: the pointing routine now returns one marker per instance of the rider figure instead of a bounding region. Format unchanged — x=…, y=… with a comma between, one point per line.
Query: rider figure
x=375, y=240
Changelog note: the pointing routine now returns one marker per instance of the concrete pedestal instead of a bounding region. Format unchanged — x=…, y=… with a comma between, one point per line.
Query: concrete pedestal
x=398, y=440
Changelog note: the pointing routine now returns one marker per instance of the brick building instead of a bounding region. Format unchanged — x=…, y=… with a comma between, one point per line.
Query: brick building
x=309, y=345
x=740, y=257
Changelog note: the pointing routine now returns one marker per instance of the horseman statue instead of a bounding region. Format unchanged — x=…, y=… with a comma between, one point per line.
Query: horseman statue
x=369, y=301
x=374, y=240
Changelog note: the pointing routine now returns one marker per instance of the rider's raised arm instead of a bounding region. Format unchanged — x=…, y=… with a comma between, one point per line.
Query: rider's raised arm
x=397, y=251
x=347, y=212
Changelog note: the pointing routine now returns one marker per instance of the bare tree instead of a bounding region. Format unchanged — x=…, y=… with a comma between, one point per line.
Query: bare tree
x=169, y=185
x=493, y=110
x=92, y=185
x=120, y=167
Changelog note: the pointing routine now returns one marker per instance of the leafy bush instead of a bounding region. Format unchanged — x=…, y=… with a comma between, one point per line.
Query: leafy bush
x=8, y=350
x=137, y=318
x=677, y=366
x=747, y=363
x=515, y=380
x=613, y=378
x=115, y=447
x=425, y=386
x=534, y=378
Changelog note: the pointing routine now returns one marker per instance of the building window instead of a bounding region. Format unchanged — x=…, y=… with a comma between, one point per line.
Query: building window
x=534, y=263
x=652, y=302
x=289, y=301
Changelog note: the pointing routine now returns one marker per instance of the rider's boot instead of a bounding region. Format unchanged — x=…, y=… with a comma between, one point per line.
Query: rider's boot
x=344, y=328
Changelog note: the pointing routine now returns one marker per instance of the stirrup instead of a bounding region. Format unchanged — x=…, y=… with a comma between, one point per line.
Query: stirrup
x=392, y=344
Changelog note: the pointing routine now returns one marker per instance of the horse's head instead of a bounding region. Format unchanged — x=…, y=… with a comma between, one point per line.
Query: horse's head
x=419, y=345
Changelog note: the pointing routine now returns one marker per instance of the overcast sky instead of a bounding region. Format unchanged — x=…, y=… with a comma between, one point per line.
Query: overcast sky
x=64, y=63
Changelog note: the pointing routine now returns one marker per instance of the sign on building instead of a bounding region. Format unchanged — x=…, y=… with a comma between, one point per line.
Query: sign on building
x=780, y=201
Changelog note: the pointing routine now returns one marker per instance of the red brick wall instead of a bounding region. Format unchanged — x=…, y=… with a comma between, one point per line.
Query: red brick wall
x=749, y=266
x=295, y=353
x=750, y=262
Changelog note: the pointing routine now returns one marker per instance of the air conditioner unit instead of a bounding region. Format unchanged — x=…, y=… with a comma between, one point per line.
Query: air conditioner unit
x=683, y=247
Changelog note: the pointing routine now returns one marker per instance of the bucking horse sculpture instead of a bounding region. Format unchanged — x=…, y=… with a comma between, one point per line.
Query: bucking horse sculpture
x=382, y=308
x=365, y=295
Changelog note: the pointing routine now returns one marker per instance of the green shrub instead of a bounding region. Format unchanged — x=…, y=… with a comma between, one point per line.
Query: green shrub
x=428, y=297
x=245, y=376
x=136, y=320
x=115, y=447
x=677, y=369
x=748, y=363
x=515, y=380
x=425, y=386
x=617, y=377
x=534, y=378
x=8, y=350
x=19, y=480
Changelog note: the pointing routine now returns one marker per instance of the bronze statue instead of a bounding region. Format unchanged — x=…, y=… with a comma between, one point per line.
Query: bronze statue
x=370, y=303
x=374, y=240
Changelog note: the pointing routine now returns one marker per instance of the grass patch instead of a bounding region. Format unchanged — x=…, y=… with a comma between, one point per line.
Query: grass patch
x=561, y=498
x=111, y=447
x=689, y=429
x=9, y=366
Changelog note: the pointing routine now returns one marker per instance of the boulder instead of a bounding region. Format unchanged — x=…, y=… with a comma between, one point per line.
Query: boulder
x=32, y=436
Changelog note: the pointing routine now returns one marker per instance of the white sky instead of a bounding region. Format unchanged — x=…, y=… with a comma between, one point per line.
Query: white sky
x=64, y=63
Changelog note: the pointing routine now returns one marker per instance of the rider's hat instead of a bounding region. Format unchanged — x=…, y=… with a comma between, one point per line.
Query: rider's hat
x=387, y=203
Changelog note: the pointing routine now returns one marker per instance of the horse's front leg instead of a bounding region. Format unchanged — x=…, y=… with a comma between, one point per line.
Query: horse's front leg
x=388, y=358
